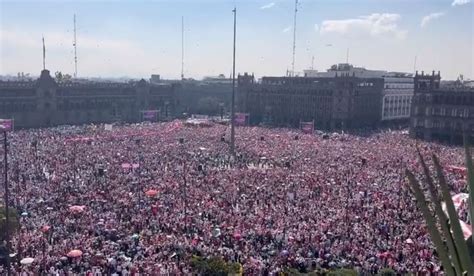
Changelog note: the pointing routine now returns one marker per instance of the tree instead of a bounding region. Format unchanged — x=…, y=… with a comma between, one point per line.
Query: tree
x=343, y=272
x=387, y=272
x=67, y=78
x=455, y=254
x=215, y=266
x=14, y=222
x=59, y=76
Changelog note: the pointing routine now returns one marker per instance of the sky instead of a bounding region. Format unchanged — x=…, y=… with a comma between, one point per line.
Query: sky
x=139, y=38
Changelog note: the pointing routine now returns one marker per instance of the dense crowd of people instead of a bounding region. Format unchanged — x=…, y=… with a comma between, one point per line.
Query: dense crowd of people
x=142, y=199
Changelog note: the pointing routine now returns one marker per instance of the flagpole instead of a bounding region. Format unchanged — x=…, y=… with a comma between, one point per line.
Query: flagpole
x=44, y=55
x=232, y=119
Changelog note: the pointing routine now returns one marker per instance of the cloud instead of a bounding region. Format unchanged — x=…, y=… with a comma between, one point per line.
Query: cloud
x=287, y=29
x=460, y=2
x=426, y=19
x=316, y=27
x=267, y=6
x=375, y=25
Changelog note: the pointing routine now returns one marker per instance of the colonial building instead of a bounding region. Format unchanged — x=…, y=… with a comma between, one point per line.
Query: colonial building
x=397, y=91
x=442, y=113
x=397, y=97
x=45, y=102
x=340, y=102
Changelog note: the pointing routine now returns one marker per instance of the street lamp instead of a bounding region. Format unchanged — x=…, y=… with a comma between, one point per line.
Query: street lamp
x=140, y=190
x=232, y=108
x=181, y=141
x=6, y=197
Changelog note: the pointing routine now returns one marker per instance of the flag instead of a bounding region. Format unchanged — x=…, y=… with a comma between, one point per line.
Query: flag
x=44, y=55
x=307, y=127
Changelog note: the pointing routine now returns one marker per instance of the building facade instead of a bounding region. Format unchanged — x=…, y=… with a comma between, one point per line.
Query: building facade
x=397, y=91
x=340, y=102
x=441, y=113
x=397, y=97
x=44, y=102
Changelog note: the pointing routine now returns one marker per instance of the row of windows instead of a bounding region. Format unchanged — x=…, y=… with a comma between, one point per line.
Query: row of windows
x=395, y=112
x=438, y=124
x=365, y=84
x=442, y=111
x=399, y=86
x=397, y=98
x=17, y=107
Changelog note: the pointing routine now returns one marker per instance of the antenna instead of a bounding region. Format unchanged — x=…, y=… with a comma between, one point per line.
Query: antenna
x=44, y=55
x=312, y=63
x=182, y=48
x=294, y=40
x=232, y=108
x=414, y=65
x=347, y=56
x=75, y=48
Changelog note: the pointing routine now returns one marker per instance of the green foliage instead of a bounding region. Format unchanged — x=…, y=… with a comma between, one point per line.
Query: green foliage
x=60, y=77
x=214, y=266
x=387, y=272
x=455, y=253
x=343, y=272
x=14, y=221
x=337, y=272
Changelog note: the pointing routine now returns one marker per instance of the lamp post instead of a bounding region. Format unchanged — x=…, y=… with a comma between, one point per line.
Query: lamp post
x=6, y=198
x=221, y=110
x=140, y=190
x=74, y=164
x=181, y=141
x=232, y=108
x=17, y=180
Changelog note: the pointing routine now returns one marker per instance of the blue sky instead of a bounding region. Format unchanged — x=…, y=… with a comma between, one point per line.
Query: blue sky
x=138, y=38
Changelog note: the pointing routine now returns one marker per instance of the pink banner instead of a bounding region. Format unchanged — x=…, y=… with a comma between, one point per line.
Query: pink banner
x=307, y=127
x=459, y=200
x=456, y=169
x=149, y=114
x=128, y=166
x=241, y=118
x=6, y=124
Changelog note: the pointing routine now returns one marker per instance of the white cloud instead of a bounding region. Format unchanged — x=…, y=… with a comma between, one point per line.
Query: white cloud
x=316, y=27
x=460, y=2
x=376, y=24
x=426, y=19
x=287, y=29
x=267, y=6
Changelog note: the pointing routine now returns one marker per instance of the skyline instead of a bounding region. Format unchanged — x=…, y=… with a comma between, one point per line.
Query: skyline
x=124, y=38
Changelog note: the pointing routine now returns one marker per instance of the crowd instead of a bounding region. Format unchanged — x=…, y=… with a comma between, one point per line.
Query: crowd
x=286, y=200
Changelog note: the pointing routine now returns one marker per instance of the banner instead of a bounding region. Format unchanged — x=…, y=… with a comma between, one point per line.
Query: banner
x=459, y=200
x=241, y=119
x=150, y=115
x=108, y=127
x=307, y=127
x=6, y=124
x=199, y=116
x=456, y=169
